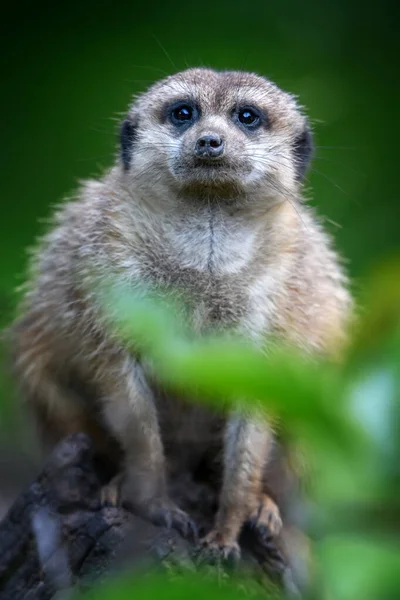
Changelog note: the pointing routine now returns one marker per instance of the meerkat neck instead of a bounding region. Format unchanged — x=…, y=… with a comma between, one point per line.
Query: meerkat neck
x=212, y=238
x=217, y=237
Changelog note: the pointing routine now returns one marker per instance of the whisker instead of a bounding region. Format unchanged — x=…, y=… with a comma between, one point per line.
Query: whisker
x=165, y=52
x=339, y=147
x=336, y=185
x=334, y=162
x=151, y=68
x=109, y=155
x=334, y=223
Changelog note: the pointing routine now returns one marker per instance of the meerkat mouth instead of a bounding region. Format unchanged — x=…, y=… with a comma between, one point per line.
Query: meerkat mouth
x=208, y=173
x=211, y=163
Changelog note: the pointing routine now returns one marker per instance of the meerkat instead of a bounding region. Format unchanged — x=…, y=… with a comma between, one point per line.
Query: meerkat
x=205, y=197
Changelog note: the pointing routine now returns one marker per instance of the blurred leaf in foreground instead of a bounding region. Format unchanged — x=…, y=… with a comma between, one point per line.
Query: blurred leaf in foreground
x=161, y=587
x=348, y=415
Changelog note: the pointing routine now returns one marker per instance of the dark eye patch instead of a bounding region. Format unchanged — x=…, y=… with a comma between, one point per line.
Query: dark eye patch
x=303, y=149
x=249, y=118
x=182, y=114
x=128, y=136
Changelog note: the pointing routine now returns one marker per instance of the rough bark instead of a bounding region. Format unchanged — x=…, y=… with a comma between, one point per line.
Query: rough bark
x=58, y=535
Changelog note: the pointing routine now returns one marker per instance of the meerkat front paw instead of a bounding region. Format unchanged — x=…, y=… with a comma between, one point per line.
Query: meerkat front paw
x=165, y=513
x=266, y=518
x=161, y=510
x=215, y=548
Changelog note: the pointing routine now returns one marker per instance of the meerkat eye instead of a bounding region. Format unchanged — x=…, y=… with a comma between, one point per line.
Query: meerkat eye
x=248, y=117
x=182, y=113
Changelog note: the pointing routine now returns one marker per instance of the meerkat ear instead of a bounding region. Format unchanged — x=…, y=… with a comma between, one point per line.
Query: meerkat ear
x=127, y=141
x=303, y=150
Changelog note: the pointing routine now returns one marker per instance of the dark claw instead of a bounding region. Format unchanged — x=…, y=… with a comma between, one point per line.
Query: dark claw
x=232, y=559
x=194, y=532
x=258, y=515
x=167, y=518
x=264, y=532
x=253, y=522
x=183, y=528
x=181, y=524
x=178, y=520
x=187, y=528
x=209, y=557
x=220, y=556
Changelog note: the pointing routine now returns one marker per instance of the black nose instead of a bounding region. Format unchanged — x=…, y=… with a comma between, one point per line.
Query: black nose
x=209, y=146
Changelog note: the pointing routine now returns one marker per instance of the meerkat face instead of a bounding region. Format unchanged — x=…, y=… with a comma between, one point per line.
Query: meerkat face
x=216, y=133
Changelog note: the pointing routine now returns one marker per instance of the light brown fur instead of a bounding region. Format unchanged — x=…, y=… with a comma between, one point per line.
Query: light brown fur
x=236, y=239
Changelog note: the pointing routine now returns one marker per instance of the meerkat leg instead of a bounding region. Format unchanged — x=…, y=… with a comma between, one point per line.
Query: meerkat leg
x=246, y=449
x=56, y=412
x=130, y=412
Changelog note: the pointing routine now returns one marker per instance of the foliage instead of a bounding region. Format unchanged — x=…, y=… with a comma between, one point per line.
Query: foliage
x=348, y=415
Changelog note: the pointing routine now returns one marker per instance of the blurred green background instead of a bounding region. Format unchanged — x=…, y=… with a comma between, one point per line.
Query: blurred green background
x=70, y=69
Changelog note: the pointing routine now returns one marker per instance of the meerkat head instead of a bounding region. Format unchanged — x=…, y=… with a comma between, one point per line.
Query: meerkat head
x=223, y=134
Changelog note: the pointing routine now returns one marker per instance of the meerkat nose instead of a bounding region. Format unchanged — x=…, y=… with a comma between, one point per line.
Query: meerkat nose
x=209, y=146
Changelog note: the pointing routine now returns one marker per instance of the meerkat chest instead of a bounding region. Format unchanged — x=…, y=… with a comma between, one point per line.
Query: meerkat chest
x=211, y=261
x=211, y=298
